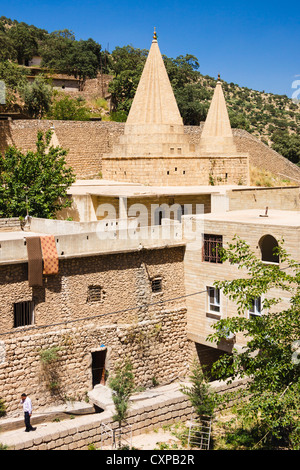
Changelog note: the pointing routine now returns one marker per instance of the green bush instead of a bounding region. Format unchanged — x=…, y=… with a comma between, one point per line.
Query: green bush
x=2, y=408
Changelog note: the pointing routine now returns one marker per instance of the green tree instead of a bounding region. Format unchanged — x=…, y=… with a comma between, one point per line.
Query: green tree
x=182, y=70
x=7, y=51
x=86, y=59
x=67, y=108
x=37, y=97
x=63, y=53
x=238, y=120
x=36, y=182
x=287, y=145
x=193, y=102
x=269, y=359
x=24, y=41
x=202, y=398
x=15, y=79
x=122, y=385
x=56, y=50
x=127, y=64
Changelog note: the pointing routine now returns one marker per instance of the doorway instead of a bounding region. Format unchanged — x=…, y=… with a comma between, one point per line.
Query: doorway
x=98, y=367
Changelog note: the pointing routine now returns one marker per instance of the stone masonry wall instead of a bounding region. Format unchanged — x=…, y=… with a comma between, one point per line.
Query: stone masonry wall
x=88, y=141
x=153, y=337
x=180, y=171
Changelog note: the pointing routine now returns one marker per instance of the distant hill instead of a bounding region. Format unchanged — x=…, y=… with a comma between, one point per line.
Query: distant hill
x=274, y=119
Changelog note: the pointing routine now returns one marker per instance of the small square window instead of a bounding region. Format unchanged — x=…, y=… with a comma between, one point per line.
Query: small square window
x=213, y=298
x=23, y=313
x=94, y=294
x=156, y=285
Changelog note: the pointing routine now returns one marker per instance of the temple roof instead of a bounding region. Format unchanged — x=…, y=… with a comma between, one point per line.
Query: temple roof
x=154, y=101
x=217, y=132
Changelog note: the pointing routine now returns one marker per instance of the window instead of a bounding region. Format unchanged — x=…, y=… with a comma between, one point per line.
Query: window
x=94, y=294
x=256, y=308
x=211, y=248
x=213, y=296
x=23, y=313
x=156, y=285
x=267, y=245
x=159, y=214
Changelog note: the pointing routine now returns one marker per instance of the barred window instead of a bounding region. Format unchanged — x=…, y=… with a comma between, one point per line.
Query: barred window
x=94, y=294
x=211, y=248
x=23, y=313
x=156, y=285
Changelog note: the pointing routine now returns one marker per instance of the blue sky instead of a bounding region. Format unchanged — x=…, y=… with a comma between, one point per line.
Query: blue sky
x=254, y=44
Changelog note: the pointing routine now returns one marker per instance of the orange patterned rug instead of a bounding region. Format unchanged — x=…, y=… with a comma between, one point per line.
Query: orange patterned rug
x=50, y=255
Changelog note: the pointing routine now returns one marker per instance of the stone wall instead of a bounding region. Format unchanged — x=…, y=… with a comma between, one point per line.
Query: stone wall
x=284, y=198
x=66, y=435
x=265, y=158
x=180, y=171
x=153, y=337
x=10, y=224
x=88, y=141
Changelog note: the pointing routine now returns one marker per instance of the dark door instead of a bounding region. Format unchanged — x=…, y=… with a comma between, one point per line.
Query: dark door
x=98, y=367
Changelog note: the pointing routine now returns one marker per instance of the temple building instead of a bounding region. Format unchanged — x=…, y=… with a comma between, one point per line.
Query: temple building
x=155, y=150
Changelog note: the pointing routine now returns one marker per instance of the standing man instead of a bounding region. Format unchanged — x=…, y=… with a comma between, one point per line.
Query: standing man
x=27, y=407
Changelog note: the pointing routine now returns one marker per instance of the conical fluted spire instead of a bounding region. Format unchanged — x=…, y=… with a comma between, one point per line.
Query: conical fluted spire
x=217, y=133
x=154, y=101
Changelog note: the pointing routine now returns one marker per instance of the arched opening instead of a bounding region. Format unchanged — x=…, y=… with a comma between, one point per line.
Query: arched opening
x=267, y=245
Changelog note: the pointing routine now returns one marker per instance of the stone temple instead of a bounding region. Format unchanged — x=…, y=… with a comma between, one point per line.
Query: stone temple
x=155, y=150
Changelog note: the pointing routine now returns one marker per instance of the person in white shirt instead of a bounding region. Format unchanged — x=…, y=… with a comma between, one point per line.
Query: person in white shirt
x=27, y=408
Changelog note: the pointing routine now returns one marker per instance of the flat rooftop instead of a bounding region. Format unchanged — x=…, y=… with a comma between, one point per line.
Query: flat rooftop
x=257, y=217
x=120, y=189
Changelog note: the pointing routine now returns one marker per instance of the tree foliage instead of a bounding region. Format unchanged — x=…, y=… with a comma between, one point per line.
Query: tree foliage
x=269, y=358
x=15, y=78
x=122, y=385
x=127, y=64
x=36, y=182
x=37, y=97
x=287, y=145
x=202, y=398
x=67, y=108
x=63, y=53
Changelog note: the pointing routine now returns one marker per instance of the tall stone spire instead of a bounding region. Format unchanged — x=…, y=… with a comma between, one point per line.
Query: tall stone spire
x=154, y=103
x=217, y=133
x=154, y=126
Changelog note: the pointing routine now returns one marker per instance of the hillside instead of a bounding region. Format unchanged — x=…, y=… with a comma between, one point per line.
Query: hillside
x=274, y=119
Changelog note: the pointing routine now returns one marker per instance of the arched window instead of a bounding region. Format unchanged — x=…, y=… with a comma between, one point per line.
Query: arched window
x=267, y=246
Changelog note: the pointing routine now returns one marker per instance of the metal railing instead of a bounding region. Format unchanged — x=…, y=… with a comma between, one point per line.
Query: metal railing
x=199, y=433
